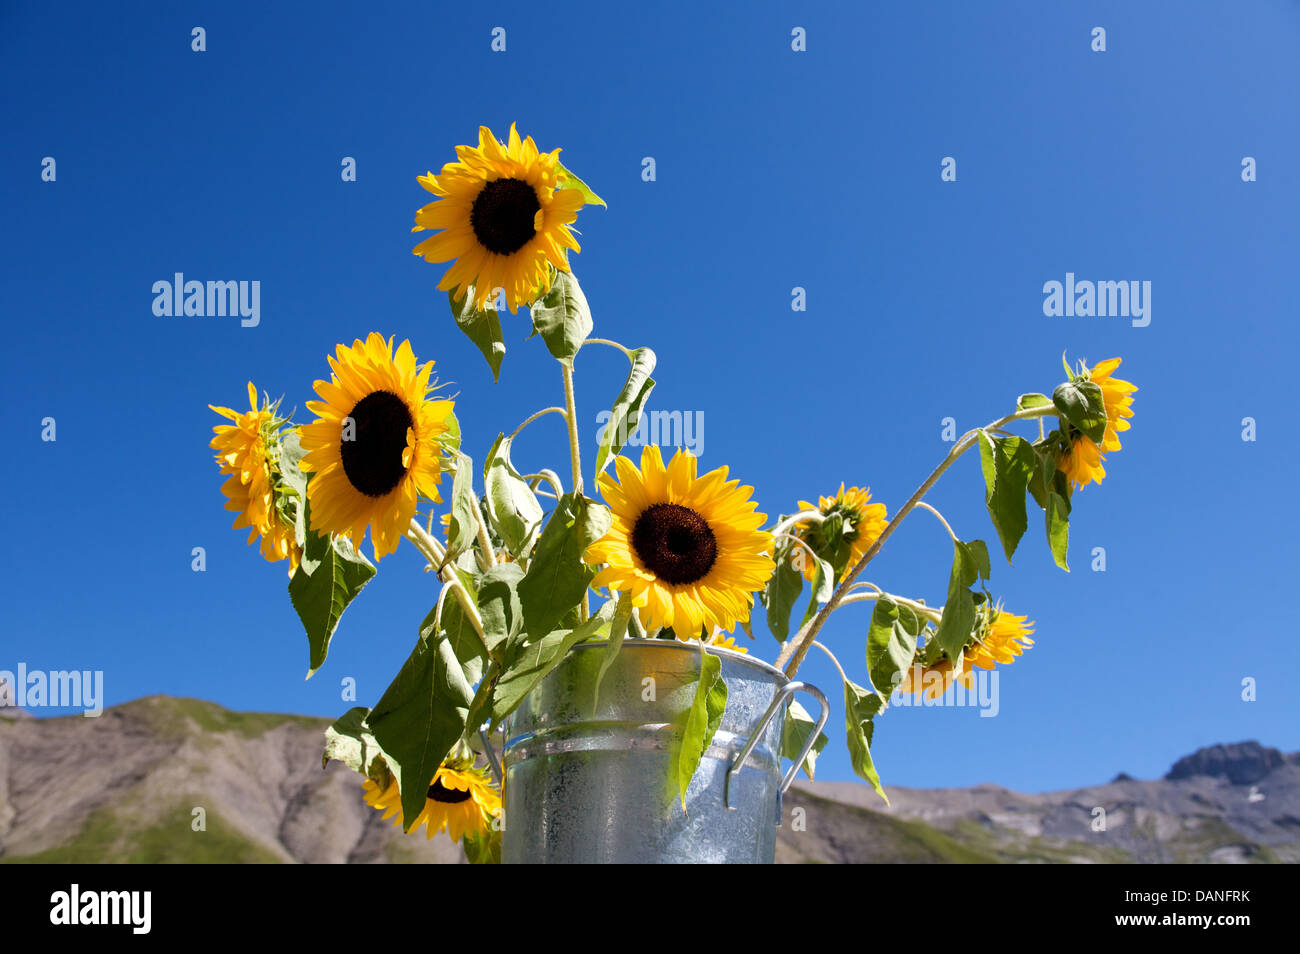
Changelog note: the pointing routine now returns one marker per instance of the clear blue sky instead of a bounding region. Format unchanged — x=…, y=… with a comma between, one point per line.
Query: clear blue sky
x=775, y=169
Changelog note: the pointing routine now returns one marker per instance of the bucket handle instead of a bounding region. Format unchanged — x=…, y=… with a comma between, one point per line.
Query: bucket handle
x=782, y=696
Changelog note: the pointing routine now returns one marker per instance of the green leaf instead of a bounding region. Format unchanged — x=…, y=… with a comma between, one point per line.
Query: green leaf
x=499, y=605
x=959, y=609
x=626, y=413
x=617, y=630
x=329, y=577
x=567, y=180
x=980, y=554
x=450, y=438
x=1008, y=463
x=531, y=662
x=350, y=741
x=481, y=327
x=1080, y=403
x=1057, y=515
x=1047, y=457
x=798, y=726
x=837, y=546
x=702, y=721
x=557, y=578
x=782, y=590
x=563, y=318
x=891, y=644
x=420, y=717
x=1027, y=401
x=513, y=509
x=464, y=522
x=294, y=480
x=860, y=708
x=822, y=588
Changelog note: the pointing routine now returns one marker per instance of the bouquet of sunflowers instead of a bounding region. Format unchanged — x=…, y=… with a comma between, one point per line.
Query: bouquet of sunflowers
x=527, y=568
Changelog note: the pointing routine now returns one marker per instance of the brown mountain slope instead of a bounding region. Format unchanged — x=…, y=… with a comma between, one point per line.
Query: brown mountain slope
x=126, y=787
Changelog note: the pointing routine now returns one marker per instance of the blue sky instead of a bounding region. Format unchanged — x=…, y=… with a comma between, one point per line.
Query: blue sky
x=774, y=169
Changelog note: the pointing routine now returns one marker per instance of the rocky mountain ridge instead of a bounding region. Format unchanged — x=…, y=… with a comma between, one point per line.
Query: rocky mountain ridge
x=164, y=779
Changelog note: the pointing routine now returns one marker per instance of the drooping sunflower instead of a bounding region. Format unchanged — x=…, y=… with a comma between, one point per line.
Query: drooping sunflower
x=1004, y=636
x=248, y=451
x=999, y=637
x=1083, y=462
x=933, y=680
x=863, y=523
x=504, y=212
x=686, y=549
x=460, y=801
x=375, y=446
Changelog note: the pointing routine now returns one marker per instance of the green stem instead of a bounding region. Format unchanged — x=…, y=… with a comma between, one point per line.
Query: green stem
x=484, y=541
x=929, y=612
x=571, y=414
x=792, y=655
x=612, y=344
x=541, y=413
x=807, y=516
x=926, y=506
x=551, y=477
x=434, y=553
x=575, y=457
x=843, y=677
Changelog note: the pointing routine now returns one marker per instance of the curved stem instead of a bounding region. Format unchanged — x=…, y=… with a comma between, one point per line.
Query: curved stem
x=425, y=543
x=814, y=516
x=541, y=413
x=550, y=476
x=870, y=584
x=929, y=612
x=484, y=541
x=922, y=503
x=437, y=609
x=792, y=537
x=833, y=659
x=434, y=553
x=792, y=655
x=612, y=344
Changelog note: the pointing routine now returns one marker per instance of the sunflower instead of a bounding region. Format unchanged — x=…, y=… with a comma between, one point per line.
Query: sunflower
x=686, y=549
x=460, y=802
x=932, y=681
x=1005, y=637
x=863, y=523
x=504, y=212
x=1082, y=461
x=375, y=446
x=999, y=638
x=248, y=450
x=723, y=641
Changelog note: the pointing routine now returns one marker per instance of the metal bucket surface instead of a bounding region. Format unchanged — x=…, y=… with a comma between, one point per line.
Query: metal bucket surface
x=589, y=781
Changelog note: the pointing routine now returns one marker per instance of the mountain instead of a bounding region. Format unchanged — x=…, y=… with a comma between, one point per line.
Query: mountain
x=1225, y=803
x=126, y=787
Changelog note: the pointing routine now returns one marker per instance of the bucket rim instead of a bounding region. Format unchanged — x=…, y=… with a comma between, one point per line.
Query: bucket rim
x=692, y=648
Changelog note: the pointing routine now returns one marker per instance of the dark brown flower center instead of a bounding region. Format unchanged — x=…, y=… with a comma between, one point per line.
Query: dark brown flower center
x=503, y=214
x=374, y=439
x=449, y=796
x=675, y=543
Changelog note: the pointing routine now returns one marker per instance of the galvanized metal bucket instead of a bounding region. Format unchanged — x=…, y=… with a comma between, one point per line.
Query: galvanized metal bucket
x=590, y=781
